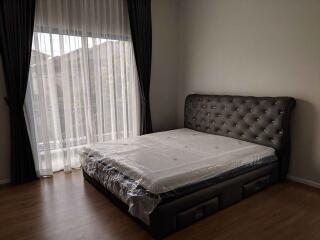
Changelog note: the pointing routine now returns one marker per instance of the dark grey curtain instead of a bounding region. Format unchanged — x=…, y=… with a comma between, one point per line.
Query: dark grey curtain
x=141, y=31
x=16, y=29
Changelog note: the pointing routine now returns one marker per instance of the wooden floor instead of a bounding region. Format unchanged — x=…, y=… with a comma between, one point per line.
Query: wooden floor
x=67, y=207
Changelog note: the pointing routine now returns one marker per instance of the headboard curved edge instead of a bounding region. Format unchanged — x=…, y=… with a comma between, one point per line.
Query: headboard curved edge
x=261, y=120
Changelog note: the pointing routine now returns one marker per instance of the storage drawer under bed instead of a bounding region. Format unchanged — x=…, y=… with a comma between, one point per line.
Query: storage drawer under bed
x=191, y=215
x=255, y=186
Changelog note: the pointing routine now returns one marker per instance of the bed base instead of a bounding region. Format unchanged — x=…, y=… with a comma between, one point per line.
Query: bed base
x=179, y=213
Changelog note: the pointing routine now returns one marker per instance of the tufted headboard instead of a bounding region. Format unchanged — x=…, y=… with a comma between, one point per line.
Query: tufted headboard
x=261, y=120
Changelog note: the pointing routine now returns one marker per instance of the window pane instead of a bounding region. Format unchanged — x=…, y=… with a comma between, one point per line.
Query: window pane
x=81, y=90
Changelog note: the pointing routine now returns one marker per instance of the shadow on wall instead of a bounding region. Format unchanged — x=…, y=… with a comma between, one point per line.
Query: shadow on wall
x=304, y=129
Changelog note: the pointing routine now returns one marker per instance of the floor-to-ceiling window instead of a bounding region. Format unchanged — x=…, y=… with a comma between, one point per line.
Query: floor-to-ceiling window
x=83, y=82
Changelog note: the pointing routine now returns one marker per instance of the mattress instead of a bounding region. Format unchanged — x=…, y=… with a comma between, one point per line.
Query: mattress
x=141, y=170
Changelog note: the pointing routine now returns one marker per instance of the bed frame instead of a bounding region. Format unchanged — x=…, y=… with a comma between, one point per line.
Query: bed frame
x=261, y=120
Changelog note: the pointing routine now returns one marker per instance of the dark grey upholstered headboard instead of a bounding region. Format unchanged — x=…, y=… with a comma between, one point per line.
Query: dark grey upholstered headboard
x=261, y=120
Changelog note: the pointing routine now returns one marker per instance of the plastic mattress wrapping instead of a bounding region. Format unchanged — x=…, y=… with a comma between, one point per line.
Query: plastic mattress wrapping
x=140, y=170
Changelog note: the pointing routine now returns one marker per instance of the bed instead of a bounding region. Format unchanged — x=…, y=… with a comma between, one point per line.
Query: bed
x=230, y=148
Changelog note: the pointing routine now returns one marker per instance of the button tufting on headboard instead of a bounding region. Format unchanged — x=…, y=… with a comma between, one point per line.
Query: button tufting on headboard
x=261, y=120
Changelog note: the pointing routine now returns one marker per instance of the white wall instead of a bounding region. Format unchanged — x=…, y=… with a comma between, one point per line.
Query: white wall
x=261, y=48
x=4, y=132
x=164, y=64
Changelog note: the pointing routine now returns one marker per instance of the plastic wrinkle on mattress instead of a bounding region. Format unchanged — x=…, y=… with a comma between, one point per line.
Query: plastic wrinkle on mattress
x=138, y=170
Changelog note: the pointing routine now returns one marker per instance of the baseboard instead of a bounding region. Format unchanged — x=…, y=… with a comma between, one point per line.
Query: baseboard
x=5, y=181
x=304, y=181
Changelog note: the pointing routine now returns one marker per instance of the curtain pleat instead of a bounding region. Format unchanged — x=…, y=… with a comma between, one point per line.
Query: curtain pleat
x=83, y=80
x=140, y=24
x=16, y=28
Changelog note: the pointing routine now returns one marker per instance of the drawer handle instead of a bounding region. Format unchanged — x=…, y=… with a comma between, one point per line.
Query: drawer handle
x=259, y=185
x=198, y=214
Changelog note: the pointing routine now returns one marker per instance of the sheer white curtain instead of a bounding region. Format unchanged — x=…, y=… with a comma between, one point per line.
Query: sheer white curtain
x=83, y=85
